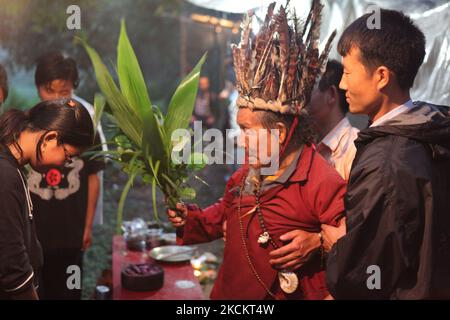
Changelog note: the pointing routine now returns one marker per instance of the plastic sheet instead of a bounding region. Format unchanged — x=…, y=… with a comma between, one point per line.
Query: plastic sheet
x=433, y=17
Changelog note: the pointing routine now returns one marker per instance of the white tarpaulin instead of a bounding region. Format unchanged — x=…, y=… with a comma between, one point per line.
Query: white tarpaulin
x=433, y=17
x=233, y=6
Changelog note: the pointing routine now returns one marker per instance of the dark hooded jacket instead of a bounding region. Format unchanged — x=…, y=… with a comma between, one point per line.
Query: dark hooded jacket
x=20, y=251
x=398, y=211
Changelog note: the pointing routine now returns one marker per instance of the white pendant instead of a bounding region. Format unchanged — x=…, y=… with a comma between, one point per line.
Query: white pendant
x=288, y=281
x=264, y=238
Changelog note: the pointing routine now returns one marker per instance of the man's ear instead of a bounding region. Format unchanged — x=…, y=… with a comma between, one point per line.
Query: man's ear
x=282, y=130
x=383, y=76
x=331, y=95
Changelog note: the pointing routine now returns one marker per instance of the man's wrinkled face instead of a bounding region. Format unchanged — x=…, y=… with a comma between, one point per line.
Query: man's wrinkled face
x=360, y=84
x=56, y=89
x=258, y=142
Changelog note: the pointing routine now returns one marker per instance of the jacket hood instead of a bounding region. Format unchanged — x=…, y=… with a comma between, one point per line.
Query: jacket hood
x=427, y=123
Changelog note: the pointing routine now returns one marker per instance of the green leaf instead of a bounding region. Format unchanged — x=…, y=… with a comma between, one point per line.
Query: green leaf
x=181, y=143
x=143, y=144
x=153, y=146
x=197, y=161
x=187, y=193
x=182, y=103
x=155, y=169
x=133, y=171
x=171, y=191
x=155, y=208
x=127, y=156
x=125, y=117
x=123, y=197
x=131, y=80
x=147, y=178
x=101, y=154
x=134, y=89
x=99, y=105
x=170, y=183
x=123, y=141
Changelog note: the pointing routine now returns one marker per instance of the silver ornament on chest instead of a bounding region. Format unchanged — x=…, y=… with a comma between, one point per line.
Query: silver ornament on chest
x=264, y=238
x=288, y=281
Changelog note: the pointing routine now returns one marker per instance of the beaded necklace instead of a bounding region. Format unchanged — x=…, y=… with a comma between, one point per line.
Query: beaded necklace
x=288, y=280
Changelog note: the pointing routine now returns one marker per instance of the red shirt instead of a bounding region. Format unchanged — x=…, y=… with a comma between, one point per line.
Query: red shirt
x=313, y=195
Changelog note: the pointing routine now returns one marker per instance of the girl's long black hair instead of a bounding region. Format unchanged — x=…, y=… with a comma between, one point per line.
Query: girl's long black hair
x=67, y=117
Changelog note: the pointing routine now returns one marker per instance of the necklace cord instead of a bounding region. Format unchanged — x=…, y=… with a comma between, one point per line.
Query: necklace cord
x=244, y=244
x=27, y=195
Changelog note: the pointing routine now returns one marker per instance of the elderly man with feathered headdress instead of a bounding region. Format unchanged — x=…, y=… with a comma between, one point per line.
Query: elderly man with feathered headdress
x=276, y=70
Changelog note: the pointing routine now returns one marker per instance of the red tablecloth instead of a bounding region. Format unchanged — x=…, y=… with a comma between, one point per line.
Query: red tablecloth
x=179, y=280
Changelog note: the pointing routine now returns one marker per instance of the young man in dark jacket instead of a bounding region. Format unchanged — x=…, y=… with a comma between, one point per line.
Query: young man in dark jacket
x=397, y=244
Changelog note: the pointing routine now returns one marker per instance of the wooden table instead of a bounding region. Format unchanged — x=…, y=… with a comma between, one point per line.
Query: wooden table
x=179, y=280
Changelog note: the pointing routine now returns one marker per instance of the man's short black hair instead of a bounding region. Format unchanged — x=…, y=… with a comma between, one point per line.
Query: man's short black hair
x=4, y=82
x=398, y=44
x=331, y=77
x=55, y=66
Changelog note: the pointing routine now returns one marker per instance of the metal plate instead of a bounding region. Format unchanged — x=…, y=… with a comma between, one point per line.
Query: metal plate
x=172, y=253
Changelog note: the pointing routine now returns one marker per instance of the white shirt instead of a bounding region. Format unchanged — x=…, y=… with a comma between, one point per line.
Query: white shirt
x=393, y=113
x=338, y=147
x=98, y=218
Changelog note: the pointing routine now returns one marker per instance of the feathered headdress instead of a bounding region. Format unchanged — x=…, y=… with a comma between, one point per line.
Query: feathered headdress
x=276, y=69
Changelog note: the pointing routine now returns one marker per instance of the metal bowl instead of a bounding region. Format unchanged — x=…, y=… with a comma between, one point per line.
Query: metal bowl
x=173, y=253
x=169, y=238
